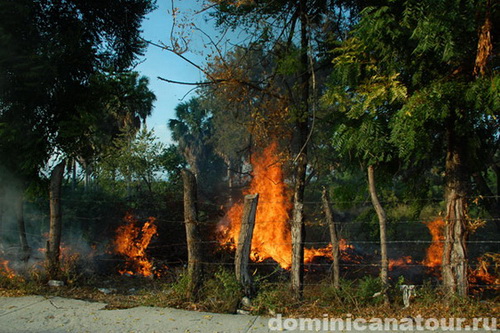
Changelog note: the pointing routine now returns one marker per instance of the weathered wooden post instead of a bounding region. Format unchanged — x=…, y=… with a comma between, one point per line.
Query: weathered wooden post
x=245, y=243
x=333, y=237
x=193, y=235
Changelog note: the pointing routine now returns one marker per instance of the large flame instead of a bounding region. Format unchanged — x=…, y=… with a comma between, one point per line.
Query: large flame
x=132, y=241
x=271, y=236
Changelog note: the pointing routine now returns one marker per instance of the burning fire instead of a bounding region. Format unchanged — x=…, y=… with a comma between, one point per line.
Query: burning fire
x=481, y=274
x=434, y=256
x=403, y=261
x=6, y=271
x=132, y=241
x=272, y=234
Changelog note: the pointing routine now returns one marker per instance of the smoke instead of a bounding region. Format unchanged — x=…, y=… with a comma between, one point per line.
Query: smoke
x=16, y=205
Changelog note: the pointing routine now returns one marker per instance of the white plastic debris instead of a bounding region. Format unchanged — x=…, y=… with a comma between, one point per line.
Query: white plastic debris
x=408, y=292
x=242, y=312
x=246, y=302
x=107, y=291
x=55, y=283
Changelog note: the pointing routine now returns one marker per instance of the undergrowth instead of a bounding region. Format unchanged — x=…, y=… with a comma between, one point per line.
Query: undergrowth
x=221, y=292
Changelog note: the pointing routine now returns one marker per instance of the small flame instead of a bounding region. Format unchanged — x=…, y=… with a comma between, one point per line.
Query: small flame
x=482, y=275
x=403, y=261
x=6, y=270
x=132, y=241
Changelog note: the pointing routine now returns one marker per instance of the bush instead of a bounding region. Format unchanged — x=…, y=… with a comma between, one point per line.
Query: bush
x=222, y=293
x=272, y=298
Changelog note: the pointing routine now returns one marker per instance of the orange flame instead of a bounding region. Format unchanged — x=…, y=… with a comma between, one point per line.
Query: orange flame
x=132, y=242
x=434, y=256
x=403, y=261
x=481, y=275
x=271, y=237
x=7, y=271
x=272, y=234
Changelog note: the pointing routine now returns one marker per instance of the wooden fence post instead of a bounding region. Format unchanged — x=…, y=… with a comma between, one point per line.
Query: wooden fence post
x=193, y=235
x=333, y=237
x=245, y=244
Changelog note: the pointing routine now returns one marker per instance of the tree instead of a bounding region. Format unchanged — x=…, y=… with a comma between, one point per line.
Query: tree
x=50, y=50
x=427, y=52
x=134, y=159
x=365, y=101
x=296, y=31
x=119, y=102
x=193, y=129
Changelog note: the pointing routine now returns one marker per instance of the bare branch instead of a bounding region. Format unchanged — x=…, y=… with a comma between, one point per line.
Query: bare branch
x=189, y=83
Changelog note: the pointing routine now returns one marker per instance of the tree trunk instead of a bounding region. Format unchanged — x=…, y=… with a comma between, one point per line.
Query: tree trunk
x=54, y=241
x=23, y=241
x=193, y=235
x=334, y=239
x=2, y=210
x=245, y=244
x=73, y=174
x=384, y=264
x=298, y=231
x=87, y=174
x=454, y=267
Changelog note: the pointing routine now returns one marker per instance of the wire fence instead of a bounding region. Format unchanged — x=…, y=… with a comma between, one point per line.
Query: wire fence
x=408, y=242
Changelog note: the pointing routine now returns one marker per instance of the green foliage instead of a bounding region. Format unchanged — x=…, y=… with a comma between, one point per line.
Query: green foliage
x=368, y=287
x=180, y=287
x=50, y=52
x=131, y=162
x=223, y=291
x=402, y=83
x=354, y=294
x=272, y=298
x=192, y=129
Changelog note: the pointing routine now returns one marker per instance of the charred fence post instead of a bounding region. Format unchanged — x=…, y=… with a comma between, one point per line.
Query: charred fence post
x=193, y=235
x=333, y=237
x=245, y=243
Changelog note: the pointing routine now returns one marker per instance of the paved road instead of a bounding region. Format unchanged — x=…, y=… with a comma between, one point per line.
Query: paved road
x=56, y=315
x=40, y=314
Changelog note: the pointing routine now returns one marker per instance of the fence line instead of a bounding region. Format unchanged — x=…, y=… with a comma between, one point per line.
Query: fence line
x=318, y=202
x=315, y=223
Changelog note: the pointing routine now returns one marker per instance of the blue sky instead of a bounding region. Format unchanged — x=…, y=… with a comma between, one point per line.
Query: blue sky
x=157, y=28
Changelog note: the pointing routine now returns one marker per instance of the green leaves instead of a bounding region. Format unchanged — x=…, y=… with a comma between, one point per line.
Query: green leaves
x=404, y=79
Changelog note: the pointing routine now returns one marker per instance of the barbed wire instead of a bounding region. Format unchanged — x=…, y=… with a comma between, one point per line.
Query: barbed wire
x=310, y=202
x=308, y=222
